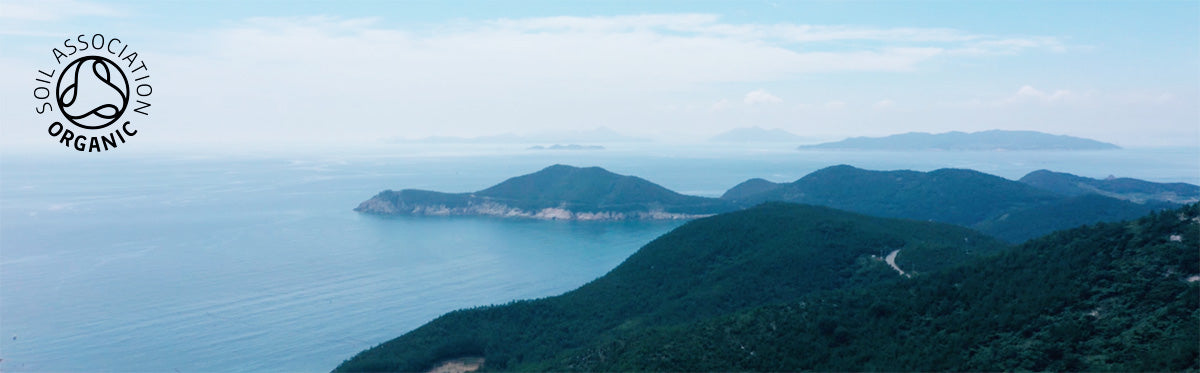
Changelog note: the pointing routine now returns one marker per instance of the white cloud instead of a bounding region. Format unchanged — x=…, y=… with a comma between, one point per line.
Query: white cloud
x=761, y=97
x=497, y=76
x=1008, y=46
x=1143, y=97
x=354, y=79
x=50, y=10
x=710, y=25
x=1027, y=95
x=1027, y=92
x=884, y=104
x=835, y=105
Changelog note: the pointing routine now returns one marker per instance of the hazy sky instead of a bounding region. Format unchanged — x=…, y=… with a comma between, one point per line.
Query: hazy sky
x=275, y=72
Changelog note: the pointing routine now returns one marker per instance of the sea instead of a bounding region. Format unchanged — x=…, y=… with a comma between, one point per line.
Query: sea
x=241, y=261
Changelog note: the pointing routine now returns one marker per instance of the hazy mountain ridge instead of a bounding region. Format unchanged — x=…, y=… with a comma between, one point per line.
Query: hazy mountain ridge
x=1134, y=190
x=557, y=192
x=963, y=141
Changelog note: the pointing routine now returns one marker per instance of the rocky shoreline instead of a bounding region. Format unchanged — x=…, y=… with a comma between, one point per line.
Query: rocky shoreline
x=382, y=206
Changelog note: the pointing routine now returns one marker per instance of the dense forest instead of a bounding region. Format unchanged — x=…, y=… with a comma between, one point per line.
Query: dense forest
x=1109, y=297
x=577, y=189
x=792, y=287
x=1010, y=210
x=1116, y=187
x=770, y=254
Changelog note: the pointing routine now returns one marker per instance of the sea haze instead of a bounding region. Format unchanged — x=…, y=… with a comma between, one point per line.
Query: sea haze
x=130, y=263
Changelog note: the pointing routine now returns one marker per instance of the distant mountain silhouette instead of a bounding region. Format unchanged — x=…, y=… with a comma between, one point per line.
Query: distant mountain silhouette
x=985, y=140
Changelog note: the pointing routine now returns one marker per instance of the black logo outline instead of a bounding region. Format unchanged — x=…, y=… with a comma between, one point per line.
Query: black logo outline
x=97, y=61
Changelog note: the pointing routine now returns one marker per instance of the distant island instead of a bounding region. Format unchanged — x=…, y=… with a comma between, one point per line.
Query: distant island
x=963, y=141
x=566, y=147
x=558, y=192
x=757, y=134
x=1011, y=210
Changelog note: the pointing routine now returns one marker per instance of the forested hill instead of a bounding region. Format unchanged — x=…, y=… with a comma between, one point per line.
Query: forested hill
x=1004, y=208
x=774, y=253
x=786, y=287
x=1109, y=297
x=1010, y=210
x=1117, y=187
x=555, y=192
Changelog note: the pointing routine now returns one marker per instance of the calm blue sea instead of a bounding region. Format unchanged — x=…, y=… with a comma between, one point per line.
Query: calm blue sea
x=252, y=262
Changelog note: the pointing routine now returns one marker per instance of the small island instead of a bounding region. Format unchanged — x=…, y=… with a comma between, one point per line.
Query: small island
x=994, y=140
x=558, y=192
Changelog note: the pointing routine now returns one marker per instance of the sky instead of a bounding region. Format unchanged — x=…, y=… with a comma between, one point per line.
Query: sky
x=259, y=73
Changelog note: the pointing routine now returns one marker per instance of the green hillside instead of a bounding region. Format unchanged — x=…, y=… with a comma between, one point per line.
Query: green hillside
x=774, y=253
x=590, y=187
x=785, y=287
x=1117, y=187
x=1109, y=297
x=1004, y=208
x=574, y=189
x=1010, y=210
x=749, y=188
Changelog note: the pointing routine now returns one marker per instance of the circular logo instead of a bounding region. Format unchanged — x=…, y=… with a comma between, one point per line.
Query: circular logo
x=96, y=95
x=92, y=92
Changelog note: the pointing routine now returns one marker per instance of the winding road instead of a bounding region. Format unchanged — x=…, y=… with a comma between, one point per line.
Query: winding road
x=891, y=260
